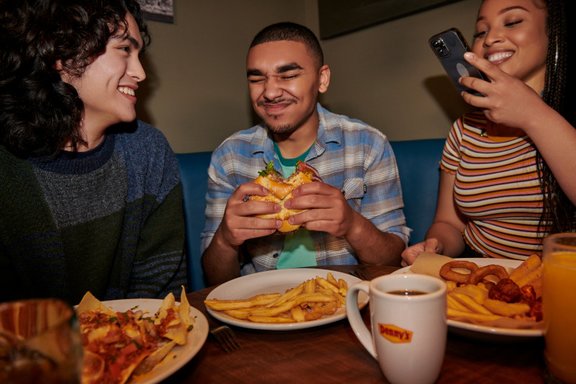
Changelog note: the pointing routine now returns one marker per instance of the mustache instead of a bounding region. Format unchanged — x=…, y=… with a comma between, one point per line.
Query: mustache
x=265, y=103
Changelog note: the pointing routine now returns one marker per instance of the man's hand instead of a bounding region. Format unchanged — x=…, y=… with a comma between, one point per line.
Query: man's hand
x=326, y=209
x=240, y=223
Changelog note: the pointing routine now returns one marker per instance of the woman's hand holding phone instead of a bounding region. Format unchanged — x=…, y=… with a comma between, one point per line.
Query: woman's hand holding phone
x=507, y=100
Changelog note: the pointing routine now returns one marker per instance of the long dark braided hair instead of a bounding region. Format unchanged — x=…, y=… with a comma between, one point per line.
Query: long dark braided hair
x=559, y=214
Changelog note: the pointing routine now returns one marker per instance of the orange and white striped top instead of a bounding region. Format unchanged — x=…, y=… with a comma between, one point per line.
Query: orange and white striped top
x=496, y=188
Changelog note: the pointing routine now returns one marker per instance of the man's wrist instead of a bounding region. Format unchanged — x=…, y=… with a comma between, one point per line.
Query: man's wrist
x=222, y=244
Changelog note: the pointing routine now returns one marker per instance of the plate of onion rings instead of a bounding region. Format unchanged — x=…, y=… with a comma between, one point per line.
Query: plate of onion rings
x=482, y=330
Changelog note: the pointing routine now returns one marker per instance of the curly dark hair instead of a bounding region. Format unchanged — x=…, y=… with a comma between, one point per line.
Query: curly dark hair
x=560, y=93
x=40, y=113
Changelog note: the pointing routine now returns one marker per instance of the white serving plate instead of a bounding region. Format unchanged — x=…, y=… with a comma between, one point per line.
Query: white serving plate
x=277, y=281
x=479, y=330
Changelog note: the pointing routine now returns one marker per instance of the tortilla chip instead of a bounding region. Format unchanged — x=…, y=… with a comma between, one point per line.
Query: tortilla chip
x=127, y=372
x=91, y=303
x=154, y=358
x=177, y=328
x=184, y=309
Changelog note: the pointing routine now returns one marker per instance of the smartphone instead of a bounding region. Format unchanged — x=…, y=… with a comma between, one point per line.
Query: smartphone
x=449, y=47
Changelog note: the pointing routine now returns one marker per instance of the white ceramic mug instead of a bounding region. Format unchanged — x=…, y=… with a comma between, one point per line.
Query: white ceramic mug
x=408, y=335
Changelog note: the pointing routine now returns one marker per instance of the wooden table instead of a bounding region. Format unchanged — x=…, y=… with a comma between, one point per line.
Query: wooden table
x=332, y=354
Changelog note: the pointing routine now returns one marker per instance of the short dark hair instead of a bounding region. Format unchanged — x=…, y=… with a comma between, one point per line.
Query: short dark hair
x=288, y=31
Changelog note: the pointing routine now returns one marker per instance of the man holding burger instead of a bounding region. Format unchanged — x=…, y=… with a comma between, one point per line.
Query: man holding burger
x=348, y=212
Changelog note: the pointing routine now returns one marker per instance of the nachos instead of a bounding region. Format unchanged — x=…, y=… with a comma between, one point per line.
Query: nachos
x=119, y=345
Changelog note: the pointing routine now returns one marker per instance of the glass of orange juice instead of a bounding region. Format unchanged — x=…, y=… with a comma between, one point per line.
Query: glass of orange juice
x=559, y=305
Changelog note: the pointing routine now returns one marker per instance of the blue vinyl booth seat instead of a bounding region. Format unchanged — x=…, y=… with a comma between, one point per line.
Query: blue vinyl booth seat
x=418, y=164
x=194, y=175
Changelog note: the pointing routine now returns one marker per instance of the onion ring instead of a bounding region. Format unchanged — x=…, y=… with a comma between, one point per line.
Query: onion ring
x=448, y=272
x=489, y=270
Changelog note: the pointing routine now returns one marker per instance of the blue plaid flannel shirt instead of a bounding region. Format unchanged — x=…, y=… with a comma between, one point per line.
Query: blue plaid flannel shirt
x=348, y=154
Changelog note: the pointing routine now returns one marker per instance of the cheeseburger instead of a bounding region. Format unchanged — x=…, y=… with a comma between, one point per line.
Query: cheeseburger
x=280, y=189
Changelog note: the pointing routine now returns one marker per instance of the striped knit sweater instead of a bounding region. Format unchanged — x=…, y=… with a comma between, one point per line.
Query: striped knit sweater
x=496, y=188
x=109, y=221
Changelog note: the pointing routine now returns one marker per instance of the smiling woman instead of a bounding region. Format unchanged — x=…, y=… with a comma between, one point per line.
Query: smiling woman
x=90, y=197
x=507, y=177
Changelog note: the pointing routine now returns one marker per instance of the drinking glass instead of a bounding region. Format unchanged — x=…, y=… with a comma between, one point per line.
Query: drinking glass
x=39, y=342
x=559, y=305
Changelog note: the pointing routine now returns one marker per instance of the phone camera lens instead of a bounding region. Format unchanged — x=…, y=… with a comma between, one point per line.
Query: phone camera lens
x=440, y=47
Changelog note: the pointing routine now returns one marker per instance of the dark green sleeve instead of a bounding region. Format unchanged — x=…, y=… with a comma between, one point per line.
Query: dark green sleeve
x=160, y=263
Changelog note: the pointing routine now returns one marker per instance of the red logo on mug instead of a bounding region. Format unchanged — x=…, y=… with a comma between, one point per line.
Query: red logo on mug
x=395, y=334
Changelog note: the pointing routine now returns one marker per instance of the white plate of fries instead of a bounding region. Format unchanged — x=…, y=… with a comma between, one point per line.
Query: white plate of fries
x=515, y=330
x=258, y=299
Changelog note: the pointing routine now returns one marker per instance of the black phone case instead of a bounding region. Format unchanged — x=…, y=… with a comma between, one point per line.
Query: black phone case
x=449, y=47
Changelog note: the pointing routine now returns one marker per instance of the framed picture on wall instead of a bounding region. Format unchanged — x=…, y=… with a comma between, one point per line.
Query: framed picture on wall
x=338, y=17
x=158, y=10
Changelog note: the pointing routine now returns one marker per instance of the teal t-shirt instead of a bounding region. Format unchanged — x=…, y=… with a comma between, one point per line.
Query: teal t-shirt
x=298, y=248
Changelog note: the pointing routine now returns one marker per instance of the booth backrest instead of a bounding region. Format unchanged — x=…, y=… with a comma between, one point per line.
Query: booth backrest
x=419, y=166
x=417, y=163
x=194, y=174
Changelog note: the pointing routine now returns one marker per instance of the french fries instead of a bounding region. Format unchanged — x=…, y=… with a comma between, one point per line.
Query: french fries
x=310, y=300
x=506, y=309
x=471, y=303
x=524, y=270
x=225, y=305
